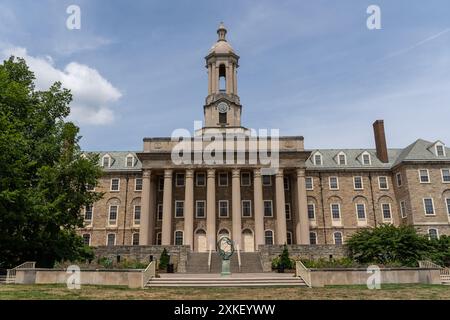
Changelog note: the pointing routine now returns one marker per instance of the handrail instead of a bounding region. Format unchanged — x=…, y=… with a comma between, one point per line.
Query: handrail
x=148, y=273
x=209, y=258
x=428, y=265
x=11, y=273
x=444, y=272
x=303, y=272
x=239, y=257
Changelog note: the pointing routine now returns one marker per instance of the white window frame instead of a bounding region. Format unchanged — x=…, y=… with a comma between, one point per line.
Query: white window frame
x=264, y=208
x=175, y=211
x=403, y=209
x=365, y=153
x=337, y=183
x=176, y=179
x=382, y=212
x=334, y=237
x=107, y=239
x=135, y=184
x=425, y=208
x=354, y=183
x=175, y=238
x=273, y=236
x=109, y=161
x=111, y=185
x=109, y=215
x=132, y=238
x=437, y=233
x=220, y=182
x=196, y=209
x=428, y=175
x=228, y=209
x=312, y=183
x=436, y=150
x=134, y=215
x=315, y=237
x=339, y=158
x=89, y=222
x=159, y=205
x=249, y=179
x=365, y=212
x=204, y=179
x=90, y=237
x=314, y=210
x=379, y=183
x=335, y=220
x=287, y=205
x=447, y=205
x=242, y=208
x=442, y=174
x=132, y=161
x=321, y=159
x=397, y=180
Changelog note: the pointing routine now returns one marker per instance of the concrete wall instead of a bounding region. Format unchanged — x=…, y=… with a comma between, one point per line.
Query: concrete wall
x=312, y=252
x=327, y=277
x=130, y=278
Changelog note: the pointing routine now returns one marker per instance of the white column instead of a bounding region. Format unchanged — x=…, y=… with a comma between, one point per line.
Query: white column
x=144, y=230
x=211, y=208
x=258, y=208
x=167, y=209
x=189, y=209
x=302, y=221
x=236, y=207
x=281, y=208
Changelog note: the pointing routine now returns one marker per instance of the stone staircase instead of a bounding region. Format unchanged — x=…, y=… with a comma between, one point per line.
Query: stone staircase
x=198, y=263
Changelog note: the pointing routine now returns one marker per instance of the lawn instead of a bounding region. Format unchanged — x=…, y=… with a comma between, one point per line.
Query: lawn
x=47, y=292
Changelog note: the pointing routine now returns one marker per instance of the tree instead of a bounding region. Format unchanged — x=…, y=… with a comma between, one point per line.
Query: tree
x=164, y=259
x=44, y=176
x=388, y=244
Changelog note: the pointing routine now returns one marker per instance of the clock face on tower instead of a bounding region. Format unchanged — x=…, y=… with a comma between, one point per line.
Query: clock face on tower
x=222, y=107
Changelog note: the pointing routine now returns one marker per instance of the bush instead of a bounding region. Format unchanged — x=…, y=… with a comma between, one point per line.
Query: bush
x=283, y=261
x=105, y=262
x=439, y=251
x=331, y=263
x=164, y=259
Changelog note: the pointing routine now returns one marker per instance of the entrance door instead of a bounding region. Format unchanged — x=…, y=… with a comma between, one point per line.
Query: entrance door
x=200, y=241
x=249, y=241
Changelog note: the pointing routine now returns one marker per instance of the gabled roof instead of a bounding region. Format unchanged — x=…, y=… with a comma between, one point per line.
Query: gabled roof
x=420, y=151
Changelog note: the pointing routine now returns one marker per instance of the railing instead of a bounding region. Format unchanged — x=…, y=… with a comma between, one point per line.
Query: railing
x=209, y=258
x=239, y=257
x=303, y=272
x=148, y=273
x=428, y=265
x=11, y=273
x=444, y=272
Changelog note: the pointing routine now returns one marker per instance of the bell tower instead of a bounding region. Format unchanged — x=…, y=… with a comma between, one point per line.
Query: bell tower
x=222, y=107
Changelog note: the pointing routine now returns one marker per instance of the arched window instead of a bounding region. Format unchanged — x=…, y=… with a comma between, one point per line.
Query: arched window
x=223, y=233
x=433, y=234
x=337, y=238
x=106, y=161
x=222, y=78
x=178, y=239
x=312, y=238
x=268, y=237
x=135, y=239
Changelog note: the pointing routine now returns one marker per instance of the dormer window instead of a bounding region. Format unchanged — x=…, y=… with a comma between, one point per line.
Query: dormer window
x=440, y=150
x=366, y=159
x=130, y=161
x=342, y=159
x=106, y=161
x=318, y=159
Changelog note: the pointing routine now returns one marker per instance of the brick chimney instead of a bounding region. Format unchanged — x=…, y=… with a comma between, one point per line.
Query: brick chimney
x=380, y=141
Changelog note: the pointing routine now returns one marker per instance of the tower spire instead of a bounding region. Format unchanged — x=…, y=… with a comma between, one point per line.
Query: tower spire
x=222, y=32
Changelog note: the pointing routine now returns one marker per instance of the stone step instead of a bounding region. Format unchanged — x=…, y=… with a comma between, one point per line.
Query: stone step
x=198, y=263
x=225, y=282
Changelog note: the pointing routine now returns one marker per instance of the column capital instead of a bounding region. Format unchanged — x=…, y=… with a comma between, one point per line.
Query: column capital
x=211, y=173
x=168, y=173
x=146, y=173
x=189, y=173
x=279, y=173
x=235, y=173
x=257, y=172
x=300, y=172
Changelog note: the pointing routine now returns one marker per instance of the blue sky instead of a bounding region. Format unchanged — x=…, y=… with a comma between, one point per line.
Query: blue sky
x=309, y=68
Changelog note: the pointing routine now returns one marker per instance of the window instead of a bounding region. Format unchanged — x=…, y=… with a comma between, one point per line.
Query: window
x=138, y=184
x=87, y=239
x=333, y=182
x=342, y=159
x=223, y=208
x=318, y=159
x=447, y=202
x=287, y=207
x=135, y=239
x=433, y=234
x=428, y=206
x=445, y=175
x=106, y=161
x=179, y=179
x=179, y=209
x=288, y=237
x=358, y=183
x=178, y=239
x=137, y=214
x=440, y=150
x=337, y=238
x=399, y=179
x=268, y=212
x=386, y=210
x=336, y=211
x=113, y=214
x=111, y=239
x=161, y=184
x=267, y=180
x=366, y=159
x=361, y=211
x=200, y=179
x=286, y=183
x=130, y=161
x=160, y=211
x=424, y=176
x=88, y=213
x=115, y=184
x=246, y=208
x=223, y=118
x=311, y=211
x=223, y=179
x=245, y=179
x=268, y=237
x=200, y=208
x=383, y=183
x=309, y=183
x=312, y=238
x=158, y=238
x=403, y=209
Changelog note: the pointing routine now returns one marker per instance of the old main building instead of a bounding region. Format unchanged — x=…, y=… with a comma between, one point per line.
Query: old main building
x=315, y=197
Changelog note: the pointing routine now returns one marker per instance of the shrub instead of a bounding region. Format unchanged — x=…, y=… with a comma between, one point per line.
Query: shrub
x=164, y=259
x=105, y=262
x=283, y=260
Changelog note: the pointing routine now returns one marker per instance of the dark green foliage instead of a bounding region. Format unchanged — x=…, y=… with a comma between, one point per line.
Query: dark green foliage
x=164, y=259
x=439, y=252
x=283, y=261
x=43, y=175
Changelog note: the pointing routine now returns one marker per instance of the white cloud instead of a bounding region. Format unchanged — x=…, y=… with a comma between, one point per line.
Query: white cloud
x=92, y=93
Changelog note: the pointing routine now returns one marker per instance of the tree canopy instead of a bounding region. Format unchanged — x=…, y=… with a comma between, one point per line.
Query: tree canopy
x=44, y=176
